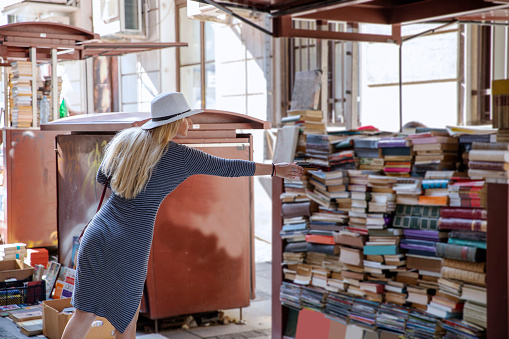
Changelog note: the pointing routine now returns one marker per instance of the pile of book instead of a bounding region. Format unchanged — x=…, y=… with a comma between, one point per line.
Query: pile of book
x=13, y=252
x=310, y=121
x=489, y=161
x=37, y=256
x=21, y=81
x=398, y=156
x=434, y=151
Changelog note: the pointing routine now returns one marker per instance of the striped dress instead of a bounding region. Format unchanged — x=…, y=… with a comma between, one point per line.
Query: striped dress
x=114, y=251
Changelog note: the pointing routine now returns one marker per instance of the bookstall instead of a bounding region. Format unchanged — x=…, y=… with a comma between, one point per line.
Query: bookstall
x=202, y=255
x=384, y=244
x=29, y=170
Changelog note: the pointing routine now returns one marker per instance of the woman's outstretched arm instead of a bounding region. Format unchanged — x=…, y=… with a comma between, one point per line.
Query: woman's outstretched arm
x=282, y=170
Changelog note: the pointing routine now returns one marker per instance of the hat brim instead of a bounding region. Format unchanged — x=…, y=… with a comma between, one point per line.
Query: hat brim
x=153, y=124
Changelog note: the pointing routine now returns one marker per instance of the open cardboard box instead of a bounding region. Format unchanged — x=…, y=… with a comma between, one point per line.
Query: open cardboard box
x=15, y=269
x=53, y=322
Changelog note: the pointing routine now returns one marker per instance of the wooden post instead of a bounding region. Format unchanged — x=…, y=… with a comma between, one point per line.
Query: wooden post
x=497, y=261
x=278, y=314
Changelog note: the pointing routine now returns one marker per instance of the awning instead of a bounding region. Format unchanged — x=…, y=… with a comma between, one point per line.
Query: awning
x=68, y=42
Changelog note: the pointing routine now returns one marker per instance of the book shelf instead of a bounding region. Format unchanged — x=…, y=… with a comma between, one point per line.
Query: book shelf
x=497, y=262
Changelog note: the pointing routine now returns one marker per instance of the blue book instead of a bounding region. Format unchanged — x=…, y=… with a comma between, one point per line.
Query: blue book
x=472, y=243
x=381, y=249
x=295, y=227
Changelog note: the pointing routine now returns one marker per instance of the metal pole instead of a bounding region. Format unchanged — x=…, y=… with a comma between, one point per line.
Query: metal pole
x=54, y=84
x=400, y=89
x=33, y=59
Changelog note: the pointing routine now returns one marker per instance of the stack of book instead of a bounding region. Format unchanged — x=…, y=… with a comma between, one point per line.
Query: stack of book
x=310, y=121
x=363, y=313
x=456, y=328
x=368, y=154
x=290, y=295
x=329, y=186
x=489, y=161
x=13, y=252
x=408, y=191
x=465, y=192
x=320, y=152
x=435, y=152
x=313, y=298
x=475, y=304
x=446, y=302
x=21, y=80
x=338, y=305
x=37, y=256
x=398, y=156
x=422, y=325
x=435, y=186
x=392, y=318
x=360, y=196
x=383, y=196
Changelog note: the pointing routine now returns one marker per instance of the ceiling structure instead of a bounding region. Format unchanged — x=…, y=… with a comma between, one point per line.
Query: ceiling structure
x=388, y=12
x=68, y=42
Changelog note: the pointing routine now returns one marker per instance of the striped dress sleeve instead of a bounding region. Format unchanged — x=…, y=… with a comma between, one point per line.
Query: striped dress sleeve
x=199, y=162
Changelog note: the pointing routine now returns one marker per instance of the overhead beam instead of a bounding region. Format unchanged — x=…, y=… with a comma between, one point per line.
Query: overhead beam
x=438, y=9
x=283, y=28
x=366, y=14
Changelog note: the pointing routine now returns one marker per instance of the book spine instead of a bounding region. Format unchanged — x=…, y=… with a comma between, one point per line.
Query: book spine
x=433, y=200
x=479, y=267
x=392, y=143
x=502, y=146
x=487, y=165
x=488, y=155
x=474, y=278
x=437, y=183
x=465, y=213
x=459, y=252
x=463, y=224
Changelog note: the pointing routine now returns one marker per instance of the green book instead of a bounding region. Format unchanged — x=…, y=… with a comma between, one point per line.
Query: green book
x=472, y=243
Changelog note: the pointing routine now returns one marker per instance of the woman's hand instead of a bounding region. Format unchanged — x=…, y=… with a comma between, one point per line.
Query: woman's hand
x=288, y=171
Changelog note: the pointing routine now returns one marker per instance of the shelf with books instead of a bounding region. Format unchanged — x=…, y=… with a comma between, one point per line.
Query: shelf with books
x=422, y=259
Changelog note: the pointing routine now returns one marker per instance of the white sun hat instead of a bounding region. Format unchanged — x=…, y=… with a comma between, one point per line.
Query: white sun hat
x=168, y=107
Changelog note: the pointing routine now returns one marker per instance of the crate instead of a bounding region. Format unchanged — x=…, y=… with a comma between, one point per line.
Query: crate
x=22, y=292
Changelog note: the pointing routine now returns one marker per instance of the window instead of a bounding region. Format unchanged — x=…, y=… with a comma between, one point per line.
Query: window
x=197, y=69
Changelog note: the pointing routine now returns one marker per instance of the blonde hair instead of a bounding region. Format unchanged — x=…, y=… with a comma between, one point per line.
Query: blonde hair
x=132, y=154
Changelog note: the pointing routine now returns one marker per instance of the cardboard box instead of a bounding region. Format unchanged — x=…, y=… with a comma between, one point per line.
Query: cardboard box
x=53, y=322
x=15, y=269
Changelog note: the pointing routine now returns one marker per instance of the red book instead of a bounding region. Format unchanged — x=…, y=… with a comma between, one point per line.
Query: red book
x=320, y=239
x=463, y=224
x=464, y=213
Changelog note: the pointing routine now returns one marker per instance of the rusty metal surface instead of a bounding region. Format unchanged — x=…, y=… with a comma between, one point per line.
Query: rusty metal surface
x=30, y=178
x=202, y=254
x=201, y=257
x=112, y=122
x=79, y=158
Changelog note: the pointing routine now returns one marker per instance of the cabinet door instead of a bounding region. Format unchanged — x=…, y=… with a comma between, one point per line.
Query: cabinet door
x=201, y=257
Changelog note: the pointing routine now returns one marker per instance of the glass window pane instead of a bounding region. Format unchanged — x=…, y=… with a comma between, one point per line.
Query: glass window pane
x=210, y=85
x=312, y=56
x=128, y=63
x=190, y=33
x=129, y=89
x=132, y=14
x=210, y=41
x=190, y=85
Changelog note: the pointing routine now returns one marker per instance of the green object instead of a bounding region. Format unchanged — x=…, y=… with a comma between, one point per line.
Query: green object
x=63, y=109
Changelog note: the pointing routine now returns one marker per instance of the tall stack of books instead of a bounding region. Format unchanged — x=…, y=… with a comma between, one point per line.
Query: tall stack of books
x=398, y=156
x=489, y=161
x=383, y=196
x=320, y=152
x=360, y=196
x=21, y=94
x=475, y=305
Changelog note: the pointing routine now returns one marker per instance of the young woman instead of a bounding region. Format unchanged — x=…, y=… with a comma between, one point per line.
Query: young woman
x=142, y=166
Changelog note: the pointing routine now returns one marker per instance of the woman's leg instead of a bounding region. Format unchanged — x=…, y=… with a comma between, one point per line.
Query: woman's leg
x=78, y=325
x=130, y=331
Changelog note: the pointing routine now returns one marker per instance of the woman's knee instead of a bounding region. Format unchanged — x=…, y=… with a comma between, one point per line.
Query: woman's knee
x=84, y=316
